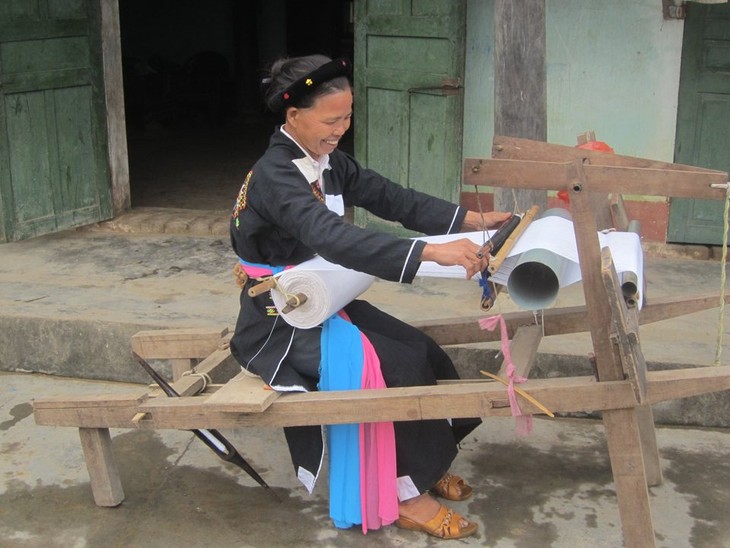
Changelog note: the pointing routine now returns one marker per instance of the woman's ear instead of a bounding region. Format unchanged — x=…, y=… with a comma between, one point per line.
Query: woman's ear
x=292, y=114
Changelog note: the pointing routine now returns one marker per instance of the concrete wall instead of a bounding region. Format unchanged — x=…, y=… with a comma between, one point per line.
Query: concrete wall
x=612, y=67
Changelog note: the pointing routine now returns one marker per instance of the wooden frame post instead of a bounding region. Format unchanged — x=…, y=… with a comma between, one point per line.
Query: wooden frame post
x=106, y=485
x=622, y=425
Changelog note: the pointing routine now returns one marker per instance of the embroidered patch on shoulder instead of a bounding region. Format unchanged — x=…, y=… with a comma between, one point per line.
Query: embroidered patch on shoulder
x=241, y=200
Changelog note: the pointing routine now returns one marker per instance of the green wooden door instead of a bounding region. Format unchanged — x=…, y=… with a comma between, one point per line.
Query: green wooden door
x=54, y=172
x=409, y=65
x=703, y=119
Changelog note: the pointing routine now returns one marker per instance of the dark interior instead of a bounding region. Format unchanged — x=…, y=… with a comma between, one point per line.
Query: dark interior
x=195, y=117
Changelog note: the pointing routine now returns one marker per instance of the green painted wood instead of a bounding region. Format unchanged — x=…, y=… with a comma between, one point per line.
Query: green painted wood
x=19, y=10
x=39, y=29
x=703, y=119
x=54, y=172
x=406, y=126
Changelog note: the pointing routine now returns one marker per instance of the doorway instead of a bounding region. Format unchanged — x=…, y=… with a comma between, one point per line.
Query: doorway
x=195, y=118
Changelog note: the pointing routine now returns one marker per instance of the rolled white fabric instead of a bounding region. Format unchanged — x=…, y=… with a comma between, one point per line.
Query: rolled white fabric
x=327, y=286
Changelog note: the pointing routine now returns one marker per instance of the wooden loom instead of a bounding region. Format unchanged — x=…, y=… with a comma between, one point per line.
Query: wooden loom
x=215, y=397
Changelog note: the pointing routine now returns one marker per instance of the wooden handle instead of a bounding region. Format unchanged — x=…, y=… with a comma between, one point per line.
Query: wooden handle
x=527, y=218
x=265, y=285
x=293, y=302
x=487, y=303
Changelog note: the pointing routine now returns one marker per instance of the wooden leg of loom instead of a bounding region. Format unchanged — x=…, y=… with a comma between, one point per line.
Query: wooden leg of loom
x=627, y=464
x=649, y=448
x=180, y=366
x=105, y=483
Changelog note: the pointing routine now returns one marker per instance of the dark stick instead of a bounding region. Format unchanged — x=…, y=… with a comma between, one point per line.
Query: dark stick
x=212, y=438
x=495, y=243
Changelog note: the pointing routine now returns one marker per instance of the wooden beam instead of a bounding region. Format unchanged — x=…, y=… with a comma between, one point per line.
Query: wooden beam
x=657, y=182
x=95, y=411
x=523, y=350
x=665, y=309
x=627, y=464
x=177, y=343
x=558, y=321
x=219, y=367
x=586, y=239
x=520, y=86
x=455, y=399
x=627, y=339
x=247, y=392
x=645, y=419
x=513, y=148
x=95, y=401
x=649, y=446
x=606, y=179
x=618, y=214
x=180, y=366
x=118, y=154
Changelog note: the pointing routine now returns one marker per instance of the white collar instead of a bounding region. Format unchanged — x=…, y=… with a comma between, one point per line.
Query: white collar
x=312, y=169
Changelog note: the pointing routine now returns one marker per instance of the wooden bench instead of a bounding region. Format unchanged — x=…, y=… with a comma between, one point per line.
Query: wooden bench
x=217, y=396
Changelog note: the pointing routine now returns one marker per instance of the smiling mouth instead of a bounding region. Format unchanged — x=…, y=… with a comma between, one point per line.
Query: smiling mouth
x=331, y=142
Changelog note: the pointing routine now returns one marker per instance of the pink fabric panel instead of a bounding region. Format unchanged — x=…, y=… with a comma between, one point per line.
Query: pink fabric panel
x=378, y=477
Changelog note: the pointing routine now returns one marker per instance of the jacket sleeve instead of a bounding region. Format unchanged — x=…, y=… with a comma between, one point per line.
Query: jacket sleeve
x=283, y=197
x=386, y=199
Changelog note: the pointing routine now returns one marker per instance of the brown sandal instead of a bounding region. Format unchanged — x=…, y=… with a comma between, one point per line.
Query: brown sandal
x=445, y=524
x=452, y=487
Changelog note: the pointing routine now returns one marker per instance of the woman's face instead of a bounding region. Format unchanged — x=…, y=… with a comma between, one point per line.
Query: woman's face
x=319, y=128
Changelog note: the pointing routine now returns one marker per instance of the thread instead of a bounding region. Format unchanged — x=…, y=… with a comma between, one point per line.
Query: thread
x=723, y=276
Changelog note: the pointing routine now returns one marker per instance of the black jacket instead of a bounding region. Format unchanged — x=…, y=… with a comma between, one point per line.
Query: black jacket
x=278, y=220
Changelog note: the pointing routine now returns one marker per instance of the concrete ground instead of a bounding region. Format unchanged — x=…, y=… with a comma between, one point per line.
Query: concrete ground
x=69, y=303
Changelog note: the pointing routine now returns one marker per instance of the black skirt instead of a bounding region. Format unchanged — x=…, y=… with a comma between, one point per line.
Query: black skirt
x=424, y=449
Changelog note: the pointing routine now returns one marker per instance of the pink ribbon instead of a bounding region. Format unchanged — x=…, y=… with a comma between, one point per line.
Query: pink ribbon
x=523, y=423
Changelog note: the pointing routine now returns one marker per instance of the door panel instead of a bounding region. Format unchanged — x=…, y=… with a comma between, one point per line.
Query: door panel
x=54, y=170
x=703, y=119
x=407, y=125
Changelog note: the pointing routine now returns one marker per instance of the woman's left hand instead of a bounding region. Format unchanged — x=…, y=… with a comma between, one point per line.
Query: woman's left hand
x=479, y=221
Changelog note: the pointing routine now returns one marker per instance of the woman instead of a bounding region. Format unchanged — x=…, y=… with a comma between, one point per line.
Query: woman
x=290, y=208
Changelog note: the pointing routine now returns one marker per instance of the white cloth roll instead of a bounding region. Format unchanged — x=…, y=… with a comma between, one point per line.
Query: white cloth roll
x=557, y=235
x=328, y=287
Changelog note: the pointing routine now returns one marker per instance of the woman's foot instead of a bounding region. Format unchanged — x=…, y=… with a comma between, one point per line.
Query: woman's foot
x=452, y=487
x=420, y=508
x=424, y=513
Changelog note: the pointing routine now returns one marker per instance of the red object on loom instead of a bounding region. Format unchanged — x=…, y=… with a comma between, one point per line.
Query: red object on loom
x=600, y=146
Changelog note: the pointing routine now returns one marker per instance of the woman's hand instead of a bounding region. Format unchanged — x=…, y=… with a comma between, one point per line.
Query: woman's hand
x=479, y=221
x=459, y=252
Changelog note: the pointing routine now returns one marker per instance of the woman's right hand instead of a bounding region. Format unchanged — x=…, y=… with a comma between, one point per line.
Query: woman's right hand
x=461, y=252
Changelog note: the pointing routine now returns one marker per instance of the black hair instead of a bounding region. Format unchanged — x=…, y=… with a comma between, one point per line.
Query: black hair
x=286, y=72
